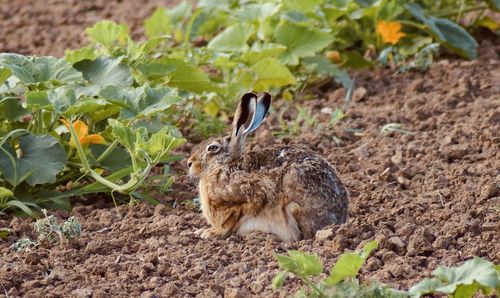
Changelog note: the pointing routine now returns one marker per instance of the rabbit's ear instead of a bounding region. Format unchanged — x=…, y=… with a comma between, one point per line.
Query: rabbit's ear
x=242, y=116
x=263, y=103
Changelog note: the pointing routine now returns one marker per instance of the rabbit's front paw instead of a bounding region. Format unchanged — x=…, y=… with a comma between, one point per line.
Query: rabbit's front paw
x=211, y=233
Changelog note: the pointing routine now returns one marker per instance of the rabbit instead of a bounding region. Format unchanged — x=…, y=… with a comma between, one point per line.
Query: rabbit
x=282, y=190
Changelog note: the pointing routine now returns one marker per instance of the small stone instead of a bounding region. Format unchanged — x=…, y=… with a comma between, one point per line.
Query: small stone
x=397, y=158
x=82, y=293
x=324, y=234
x=358, y=94
x=397, y=245
x=256, y=287
x=233, y=293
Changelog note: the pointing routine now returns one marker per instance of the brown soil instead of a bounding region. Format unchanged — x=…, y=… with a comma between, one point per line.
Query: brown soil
x=430, y=197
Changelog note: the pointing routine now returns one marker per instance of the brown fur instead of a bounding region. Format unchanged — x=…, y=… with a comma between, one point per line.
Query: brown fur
x=283, y=190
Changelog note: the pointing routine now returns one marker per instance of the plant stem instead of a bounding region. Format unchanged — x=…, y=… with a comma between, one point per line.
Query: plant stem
x=313, y=286
x=107, y=151
x=412, y=24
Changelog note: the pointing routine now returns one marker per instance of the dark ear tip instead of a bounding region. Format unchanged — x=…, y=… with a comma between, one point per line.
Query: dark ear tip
x=266, y=97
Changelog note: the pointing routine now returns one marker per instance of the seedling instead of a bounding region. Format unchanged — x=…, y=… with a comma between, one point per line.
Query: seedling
x=50, y=232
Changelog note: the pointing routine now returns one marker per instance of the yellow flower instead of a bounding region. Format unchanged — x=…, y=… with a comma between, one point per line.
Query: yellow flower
x=82, y=131
x=390, y=31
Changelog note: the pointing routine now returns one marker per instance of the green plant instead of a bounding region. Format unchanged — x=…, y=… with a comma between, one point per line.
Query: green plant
x=341, y=282
x=49, y=108
x=49, y=232
x=462, y=281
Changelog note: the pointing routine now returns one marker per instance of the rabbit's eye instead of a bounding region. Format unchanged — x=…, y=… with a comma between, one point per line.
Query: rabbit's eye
x=213, y=148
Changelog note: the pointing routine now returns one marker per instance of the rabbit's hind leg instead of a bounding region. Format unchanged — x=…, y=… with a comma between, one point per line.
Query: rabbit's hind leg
x=223, y=224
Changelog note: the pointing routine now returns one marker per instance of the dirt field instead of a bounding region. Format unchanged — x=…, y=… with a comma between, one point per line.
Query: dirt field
x=430, y=196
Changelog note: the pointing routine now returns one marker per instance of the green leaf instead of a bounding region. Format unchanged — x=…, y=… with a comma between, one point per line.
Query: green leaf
x=302, y=6
x=189, y=77
x=160, y=144
x=309, y=264
x=97, y=109
x=182, y=10
x=11, y=109
x=158, y=23
x=278, y=280
x=154, y=71
x=106, y=71
x=40, y=69
x=349, y=264
x=324, y=67
x=460, y=281
x=5, y=193
x=271, y=73
x=447, y=32
x=256, y=11
x=143, y=101
x=118, y=159
x=258, y=53
x=287, y=263
x=107, y=33
x=74, y=56
x=4, y=233
x=40, y=159
x=4, y=75
x=37, y=99
x=300, y=41
x=232, y=39
x=20, y=205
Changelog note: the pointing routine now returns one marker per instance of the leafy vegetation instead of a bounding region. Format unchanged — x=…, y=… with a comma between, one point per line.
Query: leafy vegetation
x=101, y=118
x=49, y=232
x=462, y=281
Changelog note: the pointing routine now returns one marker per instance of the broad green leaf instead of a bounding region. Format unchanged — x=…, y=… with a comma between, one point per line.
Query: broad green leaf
x=158, y=23
x=460, y=281
x=257, y=53
x=62, y=98
x=118, y=159
x=160, y=144
x=40, y=159
x=154, y=71
x=300, y=41
x=447, y=32
x=287, y=263
x=4, y=74
x=323, y=66
x=74, y=56
x=271, y=73
x=426, y=286
x=107, y=33
x=37, y=99
x=40, y=69
x=189, y=77
x=97, y=109
x=142, y=101
x=349, y=264
x=256, y=11
x=11, y=109
x=309, y=264
x=106, y=71
x=302, y=6
x=125, y=135
x=232, y=39
x=477, y=269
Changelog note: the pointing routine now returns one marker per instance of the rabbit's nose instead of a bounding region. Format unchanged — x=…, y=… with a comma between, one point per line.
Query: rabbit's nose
x=190, y=164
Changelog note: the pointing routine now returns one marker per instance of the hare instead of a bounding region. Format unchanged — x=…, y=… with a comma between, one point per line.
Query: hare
x=283, y=190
